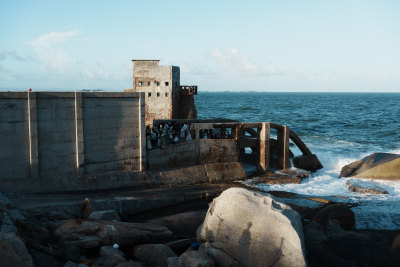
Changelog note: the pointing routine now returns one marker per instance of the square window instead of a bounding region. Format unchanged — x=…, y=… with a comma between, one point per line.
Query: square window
x=158, y=94
x=166, y=94
x=166, y=83
x=148, y=94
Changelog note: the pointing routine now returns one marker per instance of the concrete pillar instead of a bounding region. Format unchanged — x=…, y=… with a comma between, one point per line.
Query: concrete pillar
x=197, y=143
x=283, y=150
x=79, y=142
x=142, y=131
x=33, y=136
x=263, y=147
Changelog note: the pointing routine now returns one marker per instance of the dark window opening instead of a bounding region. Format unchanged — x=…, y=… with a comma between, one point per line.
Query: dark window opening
x=148, y=94
x=166, y=83
x=158, y=94
x=148, y=83
x=166, y=94
x=140, y=83
x=158, y=83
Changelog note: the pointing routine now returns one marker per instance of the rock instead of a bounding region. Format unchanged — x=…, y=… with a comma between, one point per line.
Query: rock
x=195, y=258
x=111, y=256
x=173, y=262
x=328, y=244
x=364, y=187
x=16, y=215
x=307, y=162
x=70, y=264
x=154, y=254
x=86, y=208
x=13, y=251
x=105, y=215
x=219, y=257
x=181, y=245
x=92, y=234
x=131, y=264
x=339, y=212
x=254, y=228
x=374, y=166
x=182, y=223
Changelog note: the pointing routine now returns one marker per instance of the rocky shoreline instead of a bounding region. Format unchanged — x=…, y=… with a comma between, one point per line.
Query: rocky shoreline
x=88, y=234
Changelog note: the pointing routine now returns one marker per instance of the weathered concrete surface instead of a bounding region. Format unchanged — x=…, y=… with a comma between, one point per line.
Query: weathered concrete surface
x=66, y=140
x=254, y=229
x=364, y=187
x=374, y=166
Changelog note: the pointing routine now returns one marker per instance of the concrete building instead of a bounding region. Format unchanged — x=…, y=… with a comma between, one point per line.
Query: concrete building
x=165, y=97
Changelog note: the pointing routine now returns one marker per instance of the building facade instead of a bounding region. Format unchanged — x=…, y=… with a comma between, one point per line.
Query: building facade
x=165, y=97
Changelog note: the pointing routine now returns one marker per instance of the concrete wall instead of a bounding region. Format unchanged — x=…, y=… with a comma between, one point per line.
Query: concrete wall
x=191, y=153
x=65, y=141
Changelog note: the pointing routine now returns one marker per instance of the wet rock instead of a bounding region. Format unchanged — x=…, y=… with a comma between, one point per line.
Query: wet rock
x=154, y=254
x=254, y=228
x=364, y=187
x=182, y=223
x=105, y=215
x=86, y=208
x=111, y=256
x=195, y=258
x=329, y=244
x=374, y=166
x=338, y=212
x=307, y=162
x=91, y=234
x=13, y=251
x=16, y=215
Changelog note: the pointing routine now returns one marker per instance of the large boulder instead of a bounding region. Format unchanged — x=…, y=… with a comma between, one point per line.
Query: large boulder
x=195, y=258
x=375, y=166
x=13, y=251
x=254, y=229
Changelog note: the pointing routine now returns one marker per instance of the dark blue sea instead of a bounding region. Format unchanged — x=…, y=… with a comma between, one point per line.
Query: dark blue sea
x=338, y=127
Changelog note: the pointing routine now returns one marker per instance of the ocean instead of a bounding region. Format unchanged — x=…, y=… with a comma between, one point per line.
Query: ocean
x=338, y=127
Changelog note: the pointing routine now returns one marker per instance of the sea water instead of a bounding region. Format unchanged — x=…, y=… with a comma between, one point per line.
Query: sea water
x=338, y=127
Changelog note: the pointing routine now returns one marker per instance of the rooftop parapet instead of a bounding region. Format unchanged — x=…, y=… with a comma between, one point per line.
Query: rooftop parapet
x=188, y=89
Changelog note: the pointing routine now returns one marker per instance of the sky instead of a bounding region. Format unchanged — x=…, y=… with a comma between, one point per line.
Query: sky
x=272, y=46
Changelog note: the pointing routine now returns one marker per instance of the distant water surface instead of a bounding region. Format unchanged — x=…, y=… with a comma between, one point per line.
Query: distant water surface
x=338, y=127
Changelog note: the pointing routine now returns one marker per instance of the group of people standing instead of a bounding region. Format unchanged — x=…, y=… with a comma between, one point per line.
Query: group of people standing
x=165, y=134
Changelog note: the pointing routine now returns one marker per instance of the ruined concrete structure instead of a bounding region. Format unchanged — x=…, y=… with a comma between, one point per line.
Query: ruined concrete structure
x=62, y=141
x=165, y=97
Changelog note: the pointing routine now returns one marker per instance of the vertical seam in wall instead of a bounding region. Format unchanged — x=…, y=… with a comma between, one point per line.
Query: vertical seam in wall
x=30, y=134
x=76, y=137
x=140, y=133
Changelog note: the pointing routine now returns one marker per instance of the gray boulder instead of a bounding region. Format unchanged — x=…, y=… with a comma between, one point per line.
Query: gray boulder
x=364, y=187
x=13, y=251
x=254, y=228
x=181, y=223
x=375, y=166
x=195, y=258
x=105, y=215
x=111, y=256
x=154, y=254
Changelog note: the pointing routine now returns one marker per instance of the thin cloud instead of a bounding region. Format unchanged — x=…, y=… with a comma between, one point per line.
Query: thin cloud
x=233, y=62
x=48, y=50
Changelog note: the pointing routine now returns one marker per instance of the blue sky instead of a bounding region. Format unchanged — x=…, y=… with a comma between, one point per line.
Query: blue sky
x=280, y=46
